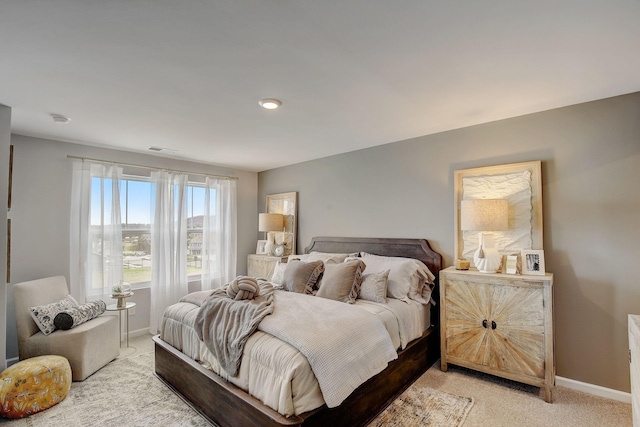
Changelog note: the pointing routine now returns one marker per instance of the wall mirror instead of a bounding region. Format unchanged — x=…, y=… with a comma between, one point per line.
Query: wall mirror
x=520, y=184
x=287, y=205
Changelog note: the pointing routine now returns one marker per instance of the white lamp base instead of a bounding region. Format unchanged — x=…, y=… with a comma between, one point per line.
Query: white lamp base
x=269, y=246
x=486, y=258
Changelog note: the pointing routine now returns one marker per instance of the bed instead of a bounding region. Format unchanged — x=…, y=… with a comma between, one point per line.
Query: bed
x=227, y=404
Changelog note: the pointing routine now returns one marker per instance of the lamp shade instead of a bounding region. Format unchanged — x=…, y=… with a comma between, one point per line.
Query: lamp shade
x=484, y=215
x=270, y=222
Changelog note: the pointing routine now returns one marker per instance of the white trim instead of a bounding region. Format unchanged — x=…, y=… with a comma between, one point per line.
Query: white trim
x=596, y=390
x=12, y=361
x=139, y=332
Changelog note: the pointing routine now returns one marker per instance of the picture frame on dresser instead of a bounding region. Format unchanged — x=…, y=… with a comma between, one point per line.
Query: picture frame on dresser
x=521, y=185
x=261, y=247
x=533, y=262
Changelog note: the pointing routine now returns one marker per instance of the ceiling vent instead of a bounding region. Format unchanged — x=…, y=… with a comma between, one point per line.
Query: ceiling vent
x=162, y=150
x=59, y=118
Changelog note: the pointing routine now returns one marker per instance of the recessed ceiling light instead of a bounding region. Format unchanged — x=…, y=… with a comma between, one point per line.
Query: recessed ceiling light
x=270, y=103
x=59, y=118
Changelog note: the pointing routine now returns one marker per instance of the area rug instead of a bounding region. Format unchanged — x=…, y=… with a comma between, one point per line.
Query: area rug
x=424, y=406
x=124, y=393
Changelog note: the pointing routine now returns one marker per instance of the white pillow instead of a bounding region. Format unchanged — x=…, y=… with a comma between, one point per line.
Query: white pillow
x=408, y=277
x=325, y=257
x=278, y=275
x=374, y=287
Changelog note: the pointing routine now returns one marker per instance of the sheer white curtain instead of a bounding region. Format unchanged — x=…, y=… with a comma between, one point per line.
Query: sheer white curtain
x=219, y=234
x=95, y=231
x=169, y=280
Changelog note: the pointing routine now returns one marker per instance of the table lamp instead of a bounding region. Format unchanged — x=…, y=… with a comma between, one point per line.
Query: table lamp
x=269, y=222
x=485, y=216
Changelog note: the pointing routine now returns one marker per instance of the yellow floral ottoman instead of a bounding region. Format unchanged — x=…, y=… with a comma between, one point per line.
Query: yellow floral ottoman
x=33, y=385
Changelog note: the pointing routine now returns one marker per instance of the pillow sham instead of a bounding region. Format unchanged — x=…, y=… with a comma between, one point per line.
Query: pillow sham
x=75, y=316
x=44, y=315
x=325, y=257
x=374, y=287
x=278, y=275
x=300, y=276
x=408, y=277
x=341, y=282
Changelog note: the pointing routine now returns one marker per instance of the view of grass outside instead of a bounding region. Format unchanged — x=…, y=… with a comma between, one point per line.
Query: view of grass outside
x=136, y=251
x=140, y=275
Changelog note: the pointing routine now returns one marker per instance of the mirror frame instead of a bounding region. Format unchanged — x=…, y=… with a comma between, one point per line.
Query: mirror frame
x=287, y=205
x=536, y=198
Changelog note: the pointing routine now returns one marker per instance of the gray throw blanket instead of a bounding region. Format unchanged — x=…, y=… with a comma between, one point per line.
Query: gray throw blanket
x=225, y=324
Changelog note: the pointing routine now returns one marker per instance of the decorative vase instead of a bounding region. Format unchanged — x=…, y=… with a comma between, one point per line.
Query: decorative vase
x=486, y=258
x=268, y=247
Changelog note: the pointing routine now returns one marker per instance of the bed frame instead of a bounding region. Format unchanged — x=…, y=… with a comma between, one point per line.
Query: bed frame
x=227, y=405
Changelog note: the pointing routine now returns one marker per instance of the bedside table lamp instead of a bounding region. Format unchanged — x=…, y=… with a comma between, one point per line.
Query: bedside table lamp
x=485, y=215
x=269, y=222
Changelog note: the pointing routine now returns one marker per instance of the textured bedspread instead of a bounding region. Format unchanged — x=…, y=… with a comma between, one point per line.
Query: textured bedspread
x=345, y=345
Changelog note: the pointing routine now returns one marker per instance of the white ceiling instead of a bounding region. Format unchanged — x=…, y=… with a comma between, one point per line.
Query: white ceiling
x=187, y=75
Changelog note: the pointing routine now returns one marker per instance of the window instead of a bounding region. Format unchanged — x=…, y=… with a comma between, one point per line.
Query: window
x=136, y=203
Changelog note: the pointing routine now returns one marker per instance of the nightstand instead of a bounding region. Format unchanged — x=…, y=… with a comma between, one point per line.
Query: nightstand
x=500, y=324
x=262, y=266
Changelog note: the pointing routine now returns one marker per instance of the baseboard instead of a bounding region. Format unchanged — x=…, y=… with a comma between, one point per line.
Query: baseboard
x=139, y=332
x=596, y=390
x=12, y=361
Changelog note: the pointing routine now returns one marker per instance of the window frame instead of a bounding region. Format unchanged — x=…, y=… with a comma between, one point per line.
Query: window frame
x=124, y=206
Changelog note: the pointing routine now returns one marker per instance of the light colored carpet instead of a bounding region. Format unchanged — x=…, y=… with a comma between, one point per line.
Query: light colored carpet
x=496, y=402
x=425, y=407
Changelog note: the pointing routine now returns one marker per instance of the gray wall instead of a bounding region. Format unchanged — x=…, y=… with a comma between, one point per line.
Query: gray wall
x=591, y=196
x=41, y=204
x=5, y=142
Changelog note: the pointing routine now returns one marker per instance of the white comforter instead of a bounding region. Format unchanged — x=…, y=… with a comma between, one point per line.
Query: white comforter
x=273, y=370
x=344, y=345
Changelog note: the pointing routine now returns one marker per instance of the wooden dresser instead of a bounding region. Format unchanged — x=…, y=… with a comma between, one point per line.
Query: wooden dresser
x=500, y=324
x=261, y=266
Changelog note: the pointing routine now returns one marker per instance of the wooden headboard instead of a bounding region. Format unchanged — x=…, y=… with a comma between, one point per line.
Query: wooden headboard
x=407, y=248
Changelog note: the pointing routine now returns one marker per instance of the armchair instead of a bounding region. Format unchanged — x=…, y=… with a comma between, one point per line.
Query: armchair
x=88, y=346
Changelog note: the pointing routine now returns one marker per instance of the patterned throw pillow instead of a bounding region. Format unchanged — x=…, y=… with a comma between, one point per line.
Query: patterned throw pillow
x=75, y=316
x=278, y=275
x=43, y=315
x=374, y=287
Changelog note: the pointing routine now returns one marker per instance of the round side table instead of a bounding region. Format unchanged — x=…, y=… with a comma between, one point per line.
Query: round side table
x=122, y=309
